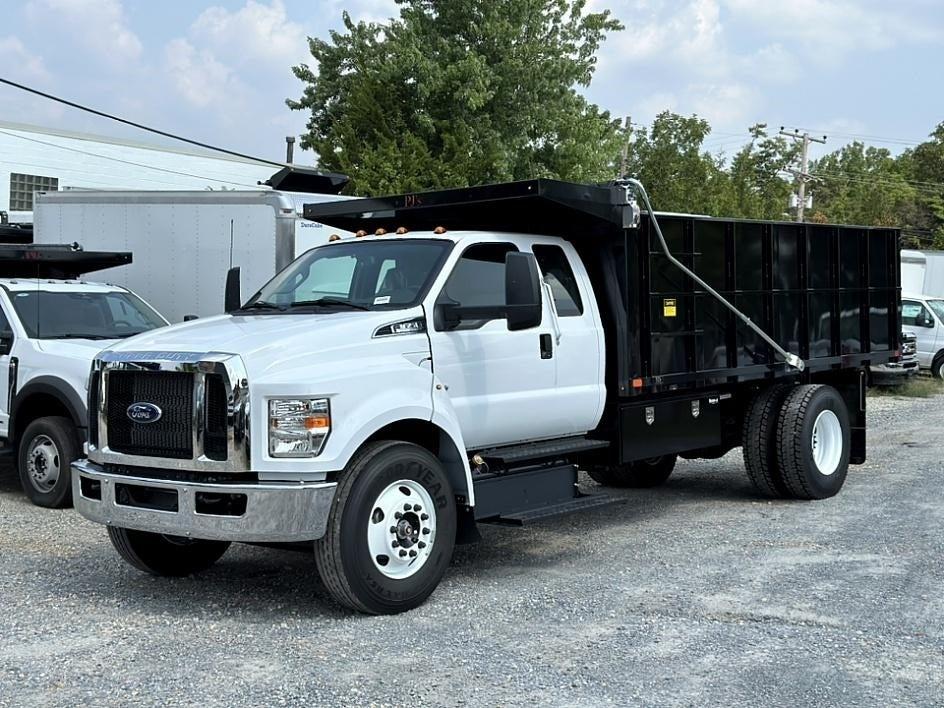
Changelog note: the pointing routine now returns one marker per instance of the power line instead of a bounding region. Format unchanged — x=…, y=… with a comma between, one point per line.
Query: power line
x=126, y=162
x=94, y=111
x=875, y=138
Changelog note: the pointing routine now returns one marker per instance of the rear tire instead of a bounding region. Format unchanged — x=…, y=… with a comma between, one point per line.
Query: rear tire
x=391, y=530
x=642, y=474
x=813, y=442
x=44, y=461
x=168, y=556
x=759, y=441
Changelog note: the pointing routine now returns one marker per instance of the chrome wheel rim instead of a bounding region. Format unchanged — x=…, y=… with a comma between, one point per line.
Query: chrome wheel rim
x=827, y=442
x=42, y=463
x=401, y=529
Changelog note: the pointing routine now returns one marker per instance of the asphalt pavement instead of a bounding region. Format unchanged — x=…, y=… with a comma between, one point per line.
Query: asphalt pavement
x=697, y=593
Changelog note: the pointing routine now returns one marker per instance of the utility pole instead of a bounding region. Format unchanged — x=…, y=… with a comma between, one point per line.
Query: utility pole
x=624, y=157
x=803, y=176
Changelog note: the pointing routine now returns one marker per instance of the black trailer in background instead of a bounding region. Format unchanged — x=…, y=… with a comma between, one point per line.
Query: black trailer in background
x=682, y=363
x=66, y=261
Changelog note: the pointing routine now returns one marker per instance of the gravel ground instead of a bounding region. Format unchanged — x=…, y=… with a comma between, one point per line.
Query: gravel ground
x=694, y=594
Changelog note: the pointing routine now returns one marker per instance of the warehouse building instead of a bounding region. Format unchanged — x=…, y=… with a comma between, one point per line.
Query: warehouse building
x=42, y=159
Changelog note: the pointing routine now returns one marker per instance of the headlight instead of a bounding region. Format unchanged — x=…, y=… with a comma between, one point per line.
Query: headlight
x=298, y=427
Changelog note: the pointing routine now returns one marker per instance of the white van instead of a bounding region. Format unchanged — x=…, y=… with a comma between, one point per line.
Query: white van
x=923, y=316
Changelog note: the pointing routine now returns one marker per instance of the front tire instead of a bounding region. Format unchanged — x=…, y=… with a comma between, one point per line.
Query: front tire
x=937, y=367
x=168, y=556
x=642, y=474
x=391, y=530
x=813, y=442
x=44, y=461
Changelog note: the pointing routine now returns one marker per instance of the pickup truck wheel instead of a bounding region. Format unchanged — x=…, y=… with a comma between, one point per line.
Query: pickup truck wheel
x=813, y=442
x=169, y=556
x=44, y=458
x=638, y=475
x=391, y=530
x=759, y=441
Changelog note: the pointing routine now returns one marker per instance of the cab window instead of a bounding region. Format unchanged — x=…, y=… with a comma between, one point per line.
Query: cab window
x=478, y=281
x=560, y=278
x=914, y=314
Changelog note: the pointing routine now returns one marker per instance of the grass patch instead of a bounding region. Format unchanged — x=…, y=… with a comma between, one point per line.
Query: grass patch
x=917, y=387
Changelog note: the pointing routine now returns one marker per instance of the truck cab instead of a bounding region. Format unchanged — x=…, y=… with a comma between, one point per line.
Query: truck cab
x=390, y=390
x=50, y=331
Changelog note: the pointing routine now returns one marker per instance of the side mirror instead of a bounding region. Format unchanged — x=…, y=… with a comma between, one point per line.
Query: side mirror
x=232, y=300
x=522, y=291
x=6, y=342
x=927, y=320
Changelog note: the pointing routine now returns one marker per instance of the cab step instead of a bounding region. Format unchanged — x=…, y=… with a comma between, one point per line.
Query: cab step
x=532, y=452
x=581, y=503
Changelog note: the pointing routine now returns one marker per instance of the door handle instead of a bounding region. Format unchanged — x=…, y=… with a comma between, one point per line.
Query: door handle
x=547, y=346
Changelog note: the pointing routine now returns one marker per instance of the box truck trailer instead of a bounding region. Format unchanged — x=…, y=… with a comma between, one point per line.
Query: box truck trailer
x=184, y=242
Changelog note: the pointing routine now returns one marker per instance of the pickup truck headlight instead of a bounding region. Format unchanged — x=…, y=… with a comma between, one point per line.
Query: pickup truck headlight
x=298, y=427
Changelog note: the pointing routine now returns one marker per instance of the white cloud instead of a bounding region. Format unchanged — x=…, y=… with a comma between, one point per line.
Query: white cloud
x=198, y=76
x=832, y=29
x=255, y=32
x=100, y=26
x=23, y=64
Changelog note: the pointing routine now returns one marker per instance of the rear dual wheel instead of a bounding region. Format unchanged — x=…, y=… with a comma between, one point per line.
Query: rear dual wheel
x=796, y=441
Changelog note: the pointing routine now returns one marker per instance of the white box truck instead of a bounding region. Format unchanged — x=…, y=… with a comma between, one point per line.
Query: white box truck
x=184, y=242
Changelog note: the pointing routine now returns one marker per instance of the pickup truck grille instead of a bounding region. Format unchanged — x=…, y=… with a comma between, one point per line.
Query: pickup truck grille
x=172, y=434
x=193, y=412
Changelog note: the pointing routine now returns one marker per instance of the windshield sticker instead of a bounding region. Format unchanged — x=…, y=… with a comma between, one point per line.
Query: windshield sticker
x=382, y=300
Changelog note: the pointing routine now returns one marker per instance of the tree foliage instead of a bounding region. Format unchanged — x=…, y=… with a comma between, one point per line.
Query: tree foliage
x=460, y=92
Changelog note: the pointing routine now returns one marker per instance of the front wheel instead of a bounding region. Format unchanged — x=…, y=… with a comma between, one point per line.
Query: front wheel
x=44, y=458
x=639, y=475
x=170, y=556
x=391, y=530
x=937, y=367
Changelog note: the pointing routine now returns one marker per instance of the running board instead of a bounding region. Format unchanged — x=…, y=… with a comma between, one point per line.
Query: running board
x=533, y=452
x=520, y=497
x=581, y=503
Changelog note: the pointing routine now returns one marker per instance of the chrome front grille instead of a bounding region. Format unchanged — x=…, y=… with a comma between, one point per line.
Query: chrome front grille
x=203, y=399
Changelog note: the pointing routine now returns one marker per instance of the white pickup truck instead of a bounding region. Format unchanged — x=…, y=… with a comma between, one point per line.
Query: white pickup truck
x=50, y=331
x=386, y=392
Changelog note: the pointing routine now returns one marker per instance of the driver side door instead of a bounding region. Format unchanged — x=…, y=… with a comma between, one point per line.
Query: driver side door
x=500, y=382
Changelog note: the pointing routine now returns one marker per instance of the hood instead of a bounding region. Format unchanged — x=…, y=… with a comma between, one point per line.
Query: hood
x=276, y=340
x=84, y=349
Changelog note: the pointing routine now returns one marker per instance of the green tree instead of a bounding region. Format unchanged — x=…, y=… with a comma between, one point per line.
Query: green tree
x=460, y=92
x=757, y=188
x=860, y=185
x=924, y=168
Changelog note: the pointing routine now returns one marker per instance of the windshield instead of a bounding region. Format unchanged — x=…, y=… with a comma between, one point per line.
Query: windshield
x=938, y=307
x=83, y=315
x=367, y=275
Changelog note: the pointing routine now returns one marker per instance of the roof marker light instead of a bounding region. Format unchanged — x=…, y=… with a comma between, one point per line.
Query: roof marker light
x=402, y=230
x=439, y=230
x=380, y=232
x=360, y=233
x=333, y=237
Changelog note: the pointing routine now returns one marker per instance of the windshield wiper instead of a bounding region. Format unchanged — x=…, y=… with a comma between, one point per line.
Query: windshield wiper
x=262, y=305
x=84, y=336
x=329, y=302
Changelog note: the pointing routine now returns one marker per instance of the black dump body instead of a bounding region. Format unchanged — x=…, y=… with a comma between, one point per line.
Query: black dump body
x=828, y=293
x=55, y=260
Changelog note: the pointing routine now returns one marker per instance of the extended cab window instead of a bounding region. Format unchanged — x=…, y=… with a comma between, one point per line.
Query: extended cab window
x=560, y=277
x=68, y=314
x=915, y=314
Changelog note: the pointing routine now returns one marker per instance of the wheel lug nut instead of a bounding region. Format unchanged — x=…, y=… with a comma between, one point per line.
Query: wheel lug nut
x=425, y=531
x=393, y=529
x=421, y=544
x=403, y=554
x=416, y=507
x=423, y=517
x=395, y=543
x=406, y=507
x=412, y=554
x=397, y=515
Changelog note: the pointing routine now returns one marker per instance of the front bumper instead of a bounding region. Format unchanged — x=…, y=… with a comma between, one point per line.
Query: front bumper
x=258, y=512
x=895, y=371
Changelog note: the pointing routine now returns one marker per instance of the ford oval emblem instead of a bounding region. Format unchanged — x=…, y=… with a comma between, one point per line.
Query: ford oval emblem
x=144, y=413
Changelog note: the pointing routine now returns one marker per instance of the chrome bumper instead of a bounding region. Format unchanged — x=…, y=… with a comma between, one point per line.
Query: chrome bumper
x=272, y=512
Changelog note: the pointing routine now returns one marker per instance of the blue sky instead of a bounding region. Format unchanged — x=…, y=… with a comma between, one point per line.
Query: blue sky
x=219, y=71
